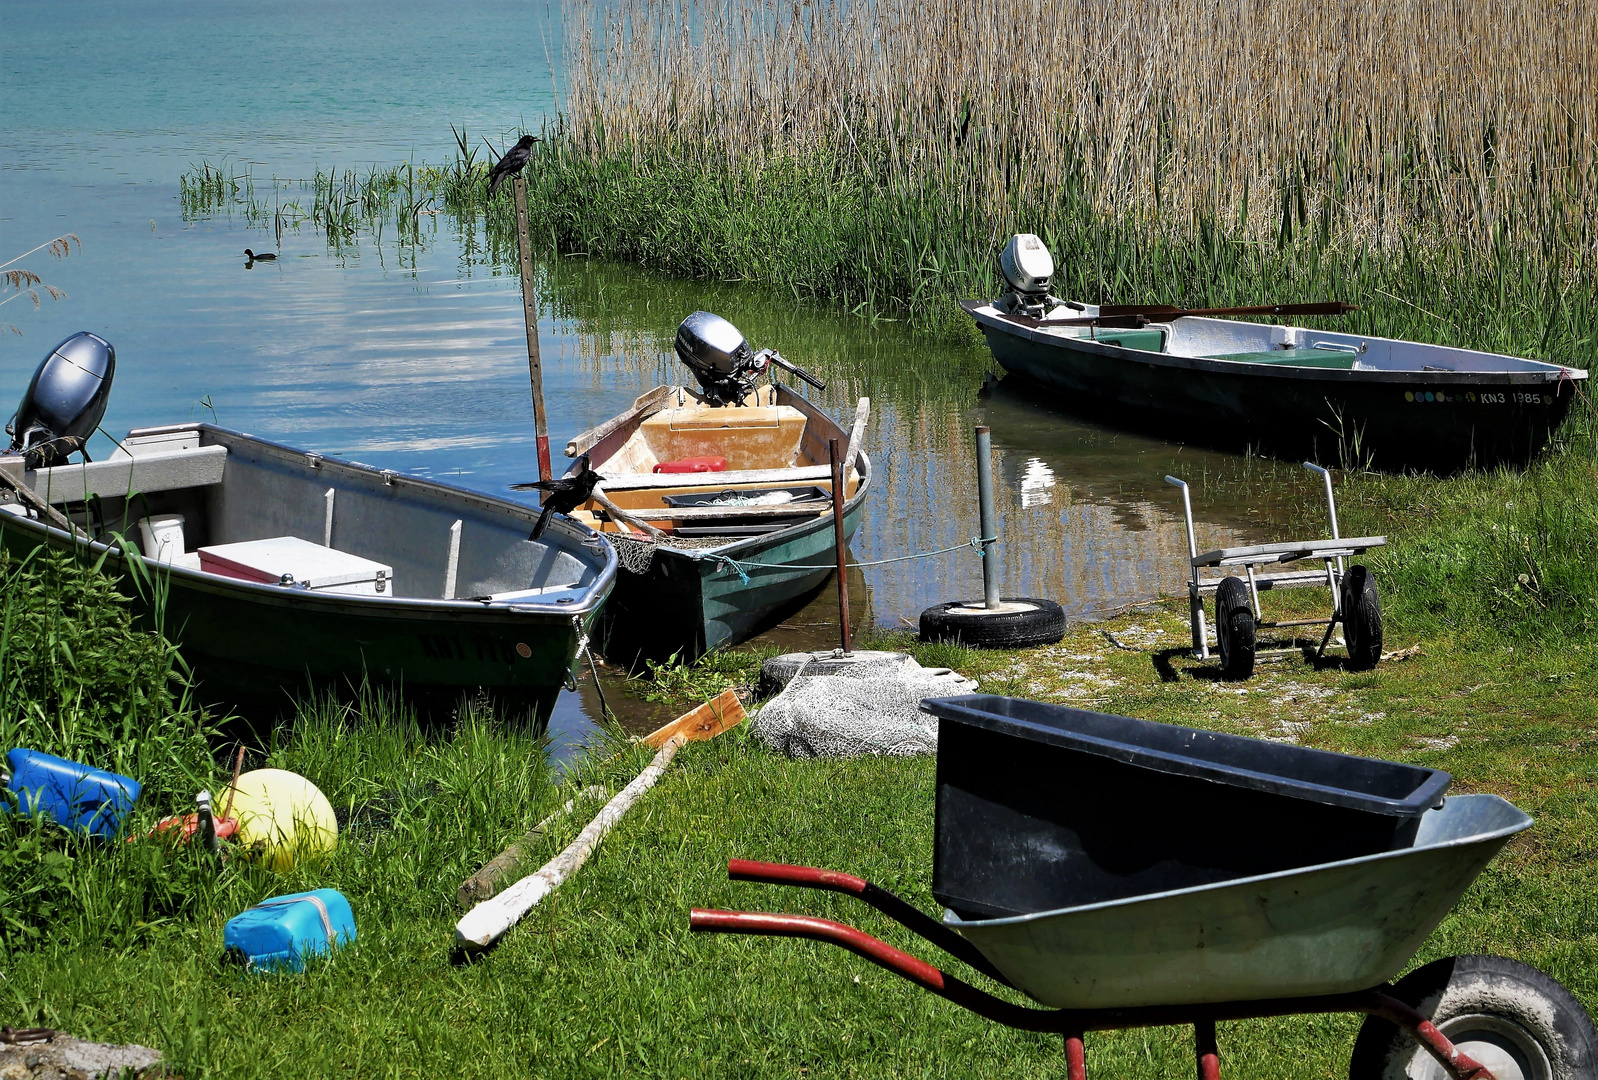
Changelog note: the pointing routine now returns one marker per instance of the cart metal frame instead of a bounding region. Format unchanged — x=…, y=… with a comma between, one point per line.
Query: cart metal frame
x=1070, y=1023
x=1332, y=552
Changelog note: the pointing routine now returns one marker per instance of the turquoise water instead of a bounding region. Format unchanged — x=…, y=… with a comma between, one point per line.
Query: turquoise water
x=414, y=357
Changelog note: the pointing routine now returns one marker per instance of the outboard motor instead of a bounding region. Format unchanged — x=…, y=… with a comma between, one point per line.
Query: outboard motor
x=722, y=360
x=65, y=401
x=1027, y=268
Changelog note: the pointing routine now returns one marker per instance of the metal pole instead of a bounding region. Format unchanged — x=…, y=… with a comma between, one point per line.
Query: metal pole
x=1331, y=510
x=986, y=517
x=535, y=367
x=837, y=540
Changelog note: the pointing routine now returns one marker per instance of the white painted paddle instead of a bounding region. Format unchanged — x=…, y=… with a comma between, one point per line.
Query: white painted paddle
x=486, y=923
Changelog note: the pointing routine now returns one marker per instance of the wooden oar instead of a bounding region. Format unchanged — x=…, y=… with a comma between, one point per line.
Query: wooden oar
x=506, y=865
x=25, y=495
x=489, y=921
x=1139, y=315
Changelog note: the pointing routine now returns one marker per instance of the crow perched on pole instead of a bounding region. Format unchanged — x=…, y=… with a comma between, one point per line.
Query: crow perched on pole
x=513, y=162
x=565, y=494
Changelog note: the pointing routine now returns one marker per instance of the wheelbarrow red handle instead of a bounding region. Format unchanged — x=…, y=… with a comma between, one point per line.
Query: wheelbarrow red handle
x=1073, y=1022
x=882, y=954
x=894, y=907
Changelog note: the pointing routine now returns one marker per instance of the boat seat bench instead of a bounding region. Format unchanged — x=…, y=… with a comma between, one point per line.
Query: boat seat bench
x=1311, y=358
x=166, y=470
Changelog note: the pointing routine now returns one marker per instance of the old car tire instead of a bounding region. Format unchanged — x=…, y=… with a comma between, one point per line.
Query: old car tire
x=1362, y=619
x=1234, y=629
x=1506, y=1015
x=1022, y=622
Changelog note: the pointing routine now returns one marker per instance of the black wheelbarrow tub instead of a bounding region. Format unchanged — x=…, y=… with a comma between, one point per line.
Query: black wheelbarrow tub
x=1042, y=807
x=1334, y=928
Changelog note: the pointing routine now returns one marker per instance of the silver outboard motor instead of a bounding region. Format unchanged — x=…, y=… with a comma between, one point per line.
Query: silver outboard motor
x=1027, y=269
x=65, y=401
x=722, y=360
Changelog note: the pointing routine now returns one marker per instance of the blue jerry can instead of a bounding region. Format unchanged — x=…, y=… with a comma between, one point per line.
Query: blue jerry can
x=282, y=931
x=76, y=796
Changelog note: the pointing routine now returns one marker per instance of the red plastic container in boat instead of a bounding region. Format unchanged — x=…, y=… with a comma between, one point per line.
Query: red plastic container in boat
x=693, y=464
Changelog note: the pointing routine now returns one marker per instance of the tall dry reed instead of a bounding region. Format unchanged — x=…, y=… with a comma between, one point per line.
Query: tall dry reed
x=1374, y=122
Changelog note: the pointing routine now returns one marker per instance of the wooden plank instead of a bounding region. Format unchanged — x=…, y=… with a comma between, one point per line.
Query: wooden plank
x=857, y=433
x=719, y=714
x=695, y=513
x=1304, y=549
x=734, y=478
x=643, y=406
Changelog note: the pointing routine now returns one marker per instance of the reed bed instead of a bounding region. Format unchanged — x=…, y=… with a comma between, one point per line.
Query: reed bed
x=1377, y=119
x=879, y=152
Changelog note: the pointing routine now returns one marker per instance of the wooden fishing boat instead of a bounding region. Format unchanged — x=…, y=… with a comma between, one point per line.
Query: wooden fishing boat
x=733, y=552
x=1290, y=391
x=281, y=565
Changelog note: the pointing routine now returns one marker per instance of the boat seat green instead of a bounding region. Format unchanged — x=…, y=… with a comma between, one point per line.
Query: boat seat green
x=1313, y=358
x=1141, y=340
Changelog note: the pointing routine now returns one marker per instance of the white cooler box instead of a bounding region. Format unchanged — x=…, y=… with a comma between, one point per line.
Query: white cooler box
x=288, y=560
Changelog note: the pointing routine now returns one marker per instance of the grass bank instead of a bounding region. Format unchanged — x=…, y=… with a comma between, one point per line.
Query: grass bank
x=1498, y=685
x=604, y=979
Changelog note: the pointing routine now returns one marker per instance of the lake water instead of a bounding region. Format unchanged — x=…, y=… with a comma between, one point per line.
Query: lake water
x=414, y=357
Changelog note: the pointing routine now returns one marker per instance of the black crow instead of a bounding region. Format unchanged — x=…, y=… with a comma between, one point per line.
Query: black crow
x=565, y=494
x=265, y=256
x=513, y=162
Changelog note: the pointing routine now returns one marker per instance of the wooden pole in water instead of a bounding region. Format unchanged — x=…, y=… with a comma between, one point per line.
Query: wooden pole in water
x=837, y=540
x=535, y=367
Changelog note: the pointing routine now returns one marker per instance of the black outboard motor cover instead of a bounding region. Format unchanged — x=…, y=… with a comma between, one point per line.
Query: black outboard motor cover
x=65, y=401
x=720, y=358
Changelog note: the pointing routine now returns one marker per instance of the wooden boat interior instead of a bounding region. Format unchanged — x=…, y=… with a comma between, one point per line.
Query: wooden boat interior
x=1285, y=346
x=436, y=542
x=777, y=468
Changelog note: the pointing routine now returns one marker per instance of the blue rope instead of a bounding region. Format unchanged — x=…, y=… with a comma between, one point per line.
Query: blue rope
x=976, y=543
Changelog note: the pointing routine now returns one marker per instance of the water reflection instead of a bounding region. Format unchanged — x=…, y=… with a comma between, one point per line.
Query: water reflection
x=419, y=364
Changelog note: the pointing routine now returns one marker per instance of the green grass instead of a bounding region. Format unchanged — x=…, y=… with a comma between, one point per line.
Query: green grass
x=605, y=979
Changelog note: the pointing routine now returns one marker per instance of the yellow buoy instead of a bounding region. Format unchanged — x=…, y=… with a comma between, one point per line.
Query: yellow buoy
x=283, y=817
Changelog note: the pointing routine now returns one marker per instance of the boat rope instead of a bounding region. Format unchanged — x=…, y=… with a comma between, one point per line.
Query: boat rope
x=979, y=544
x=593, y=666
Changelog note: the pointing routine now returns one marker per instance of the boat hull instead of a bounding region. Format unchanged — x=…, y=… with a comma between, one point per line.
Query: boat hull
x=688, y=603
x=249, y=642
x=1440, y=421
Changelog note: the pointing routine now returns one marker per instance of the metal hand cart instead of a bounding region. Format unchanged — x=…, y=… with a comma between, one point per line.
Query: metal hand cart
x=1238, y=616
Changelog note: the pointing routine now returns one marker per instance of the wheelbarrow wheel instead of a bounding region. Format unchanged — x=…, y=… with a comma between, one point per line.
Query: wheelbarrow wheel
x=1505, y=1015
x=1234, y=629
x=1362, y=619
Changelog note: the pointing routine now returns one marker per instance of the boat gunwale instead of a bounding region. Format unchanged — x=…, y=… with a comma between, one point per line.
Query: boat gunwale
x=366, y=606
x=981, y=311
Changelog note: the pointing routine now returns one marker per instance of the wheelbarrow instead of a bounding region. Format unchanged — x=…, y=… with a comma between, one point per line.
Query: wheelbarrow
x=1112, y=918
x=1238, y=615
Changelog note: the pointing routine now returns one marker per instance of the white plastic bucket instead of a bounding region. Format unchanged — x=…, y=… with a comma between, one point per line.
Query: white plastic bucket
x=161, y=537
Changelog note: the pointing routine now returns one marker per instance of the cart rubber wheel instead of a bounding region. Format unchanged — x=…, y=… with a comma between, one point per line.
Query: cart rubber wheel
x=1234, y=629
x=1362, y=619
x=1506, y=1015
x=1019, y=622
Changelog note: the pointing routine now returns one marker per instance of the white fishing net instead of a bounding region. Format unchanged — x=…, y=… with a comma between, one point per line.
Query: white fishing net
x=636, y=554
x=872, y=706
